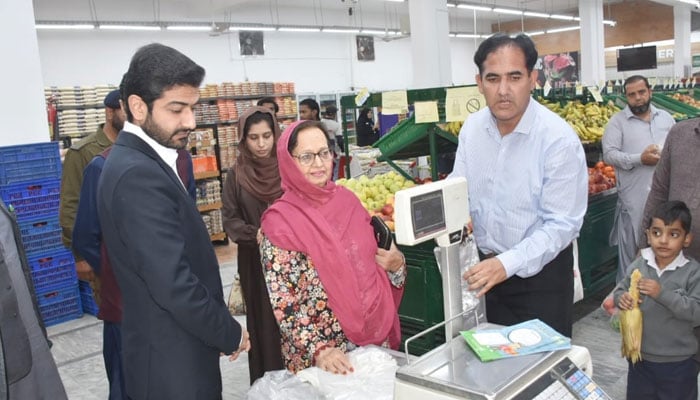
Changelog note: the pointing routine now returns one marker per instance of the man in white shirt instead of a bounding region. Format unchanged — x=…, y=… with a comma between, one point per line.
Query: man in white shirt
x=632, y=144
x=528, y=191
x=175, y=320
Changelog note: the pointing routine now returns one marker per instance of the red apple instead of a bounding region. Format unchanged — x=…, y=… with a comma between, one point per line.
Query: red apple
x=388, y=209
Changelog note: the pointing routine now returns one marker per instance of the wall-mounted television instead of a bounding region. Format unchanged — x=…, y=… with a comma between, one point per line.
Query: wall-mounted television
x=636, y=58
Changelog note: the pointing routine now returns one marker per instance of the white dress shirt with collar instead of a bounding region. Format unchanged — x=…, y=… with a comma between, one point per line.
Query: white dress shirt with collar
x=528, y=190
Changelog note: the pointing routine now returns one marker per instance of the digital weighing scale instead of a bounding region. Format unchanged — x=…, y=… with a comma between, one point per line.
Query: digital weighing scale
x=439, y=211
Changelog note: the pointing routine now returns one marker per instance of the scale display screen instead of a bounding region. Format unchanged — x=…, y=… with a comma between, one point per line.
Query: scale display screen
x=428, y=213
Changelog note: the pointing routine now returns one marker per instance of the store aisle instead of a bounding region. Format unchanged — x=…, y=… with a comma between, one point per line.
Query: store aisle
x=78, y=349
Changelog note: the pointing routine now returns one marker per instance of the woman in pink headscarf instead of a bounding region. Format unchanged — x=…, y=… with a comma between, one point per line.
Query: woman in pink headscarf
x=330, y=287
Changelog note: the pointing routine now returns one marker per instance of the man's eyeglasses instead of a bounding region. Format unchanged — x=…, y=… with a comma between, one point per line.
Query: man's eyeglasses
x=307, y=159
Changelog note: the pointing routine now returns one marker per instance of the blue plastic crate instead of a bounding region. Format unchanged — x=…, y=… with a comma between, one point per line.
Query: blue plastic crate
x=40, y=234
x=87, y=298
x=89, y=305
x=57, y=295
x=29, y=162
x=52, y=269
x=30, y=199
x=59, y=304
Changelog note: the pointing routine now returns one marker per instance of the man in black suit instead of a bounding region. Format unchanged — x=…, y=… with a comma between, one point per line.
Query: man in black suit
x=175, y=321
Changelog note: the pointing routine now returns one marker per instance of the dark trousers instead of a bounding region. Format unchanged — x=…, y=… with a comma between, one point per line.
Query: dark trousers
x=549, y=296
x=648, y=380
x=112, y=354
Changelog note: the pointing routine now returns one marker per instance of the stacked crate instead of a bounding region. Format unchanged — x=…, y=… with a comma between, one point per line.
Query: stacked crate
x=30, y=185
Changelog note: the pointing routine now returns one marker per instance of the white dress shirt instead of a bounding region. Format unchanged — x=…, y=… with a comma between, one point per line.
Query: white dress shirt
x=528, y=190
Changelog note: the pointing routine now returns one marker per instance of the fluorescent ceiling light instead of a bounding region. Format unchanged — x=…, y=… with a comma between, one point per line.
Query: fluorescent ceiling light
x=563, y=17
x=297, y=29
x=507, y=11
x=451, y=5
x=188, y=28
x=131, y=27
x=691, y=2
x=395, y=1
x=535, y=33
x=535, y=14
x=608, y=22
x=568, y=28
x=251, y=28
x=65, y=26
x=468, y=35
x=374, y=32
x=475, y=8
x=340, y=30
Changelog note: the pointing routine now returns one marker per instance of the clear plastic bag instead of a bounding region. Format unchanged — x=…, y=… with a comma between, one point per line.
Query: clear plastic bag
x=373, y=378
x=282, y=385
x=468, y=257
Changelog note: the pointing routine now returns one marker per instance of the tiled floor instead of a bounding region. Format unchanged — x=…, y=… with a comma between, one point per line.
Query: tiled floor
x=78, y=352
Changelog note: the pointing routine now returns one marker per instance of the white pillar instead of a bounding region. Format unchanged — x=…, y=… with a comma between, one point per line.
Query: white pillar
x=682, y=59
x=430, y=43
x=592, y=56
x=23, y=116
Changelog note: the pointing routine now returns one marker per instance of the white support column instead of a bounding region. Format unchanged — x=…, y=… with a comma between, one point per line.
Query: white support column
x=23, y=116
x=592, y=55
x=430, y=43
x=682, y=59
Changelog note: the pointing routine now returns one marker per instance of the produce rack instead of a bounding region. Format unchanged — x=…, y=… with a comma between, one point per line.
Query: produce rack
x=664, y=102
x=669, y=103
x=406, y=139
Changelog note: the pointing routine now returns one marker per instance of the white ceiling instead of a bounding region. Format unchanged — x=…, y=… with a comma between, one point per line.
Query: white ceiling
x=381, y=13
x=347, y=13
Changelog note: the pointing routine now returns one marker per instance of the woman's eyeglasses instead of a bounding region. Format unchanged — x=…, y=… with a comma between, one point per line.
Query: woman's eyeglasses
x=307, y=159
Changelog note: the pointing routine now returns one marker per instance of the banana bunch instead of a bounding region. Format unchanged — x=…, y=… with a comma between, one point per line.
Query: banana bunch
x=454, y=127
x=588, y=120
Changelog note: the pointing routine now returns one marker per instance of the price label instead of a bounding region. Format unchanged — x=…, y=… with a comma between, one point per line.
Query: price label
x=361, y=97
x=595, y=93
x=547, y=88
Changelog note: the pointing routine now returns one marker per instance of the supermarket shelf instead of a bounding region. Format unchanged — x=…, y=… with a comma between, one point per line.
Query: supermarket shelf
x=235, y=121
x=79, y=106
x=218, y=236
x=206, y=174
x=209, y=207
x=246, y=97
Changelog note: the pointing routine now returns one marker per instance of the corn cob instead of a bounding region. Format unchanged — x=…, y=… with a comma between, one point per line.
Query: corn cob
x=631, y=323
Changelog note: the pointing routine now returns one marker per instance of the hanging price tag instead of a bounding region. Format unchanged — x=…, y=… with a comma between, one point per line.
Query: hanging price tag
x=579, y=89
x=547, y=88
x=595, y=93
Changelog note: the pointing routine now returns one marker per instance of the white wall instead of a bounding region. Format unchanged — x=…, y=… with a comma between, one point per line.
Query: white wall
x=22, y=109
x=315, y=62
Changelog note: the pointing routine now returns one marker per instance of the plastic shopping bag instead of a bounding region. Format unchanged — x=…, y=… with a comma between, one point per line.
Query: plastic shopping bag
x=236, y=304
x=282, y=385
x=578, y=283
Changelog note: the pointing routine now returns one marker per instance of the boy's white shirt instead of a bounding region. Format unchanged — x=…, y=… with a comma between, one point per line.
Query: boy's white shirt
x=648, y=254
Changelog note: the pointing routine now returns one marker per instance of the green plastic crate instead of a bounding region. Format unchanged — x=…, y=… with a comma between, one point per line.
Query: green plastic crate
x=597, y=259
x=422, y=304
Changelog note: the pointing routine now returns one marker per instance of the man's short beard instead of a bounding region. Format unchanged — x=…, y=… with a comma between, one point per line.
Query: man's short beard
x=159, y=135
x=642, y=109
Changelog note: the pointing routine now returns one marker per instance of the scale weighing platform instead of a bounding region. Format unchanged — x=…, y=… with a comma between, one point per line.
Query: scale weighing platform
x=439, y=211
x=452, y=371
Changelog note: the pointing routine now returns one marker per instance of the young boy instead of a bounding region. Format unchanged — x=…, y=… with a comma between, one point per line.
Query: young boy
x=670, y=305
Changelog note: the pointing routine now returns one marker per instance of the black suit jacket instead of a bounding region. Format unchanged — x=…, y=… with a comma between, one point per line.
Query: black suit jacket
x=175, y=321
